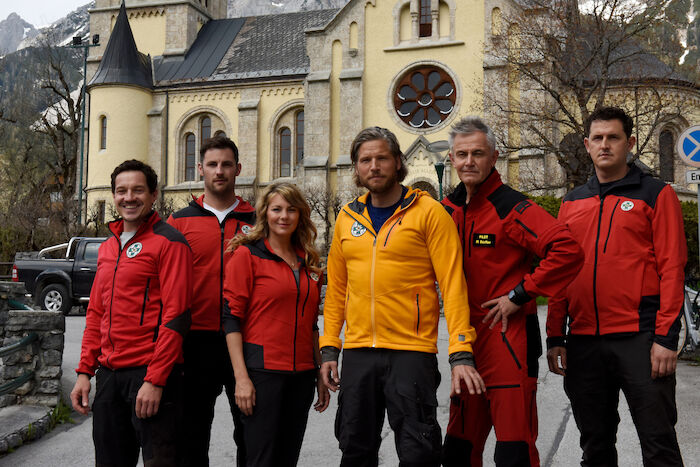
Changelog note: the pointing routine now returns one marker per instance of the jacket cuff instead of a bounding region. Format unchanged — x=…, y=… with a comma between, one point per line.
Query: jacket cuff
x=329, y=354
x=556, y=341
x=518, y=295
x=231, y=323
x=670, y=342
x=461, y=358
x=83, y=372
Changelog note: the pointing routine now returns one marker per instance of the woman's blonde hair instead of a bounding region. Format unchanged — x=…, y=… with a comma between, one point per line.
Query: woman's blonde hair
x=303, y=237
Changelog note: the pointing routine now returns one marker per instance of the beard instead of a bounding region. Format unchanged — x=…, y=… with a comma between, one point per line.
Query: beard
x=380, y=186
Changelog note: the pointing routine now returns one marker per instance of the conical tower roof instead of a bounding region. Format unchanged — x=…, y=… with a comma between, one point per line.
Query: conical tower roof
x=122, y=63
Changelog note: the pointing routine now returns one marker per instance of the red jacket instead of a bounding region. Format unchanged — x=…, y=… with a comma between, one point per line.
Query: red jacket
x=139, y=302
x=501, y=231
x=209, y=240
x=632, y=280
x=277, y=316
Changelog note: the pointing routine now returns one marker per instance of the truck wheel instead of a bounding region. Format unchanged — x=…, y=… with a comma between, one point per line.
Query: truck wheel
x=54, y=297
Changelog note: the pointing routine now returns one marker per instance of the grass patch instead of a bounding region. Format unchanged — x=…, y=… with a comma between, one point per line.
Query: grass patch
x=60, y=415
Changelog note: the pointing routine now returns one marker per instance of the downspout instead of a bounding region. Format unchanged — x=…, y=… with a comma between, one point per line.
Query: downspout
x=167, y=138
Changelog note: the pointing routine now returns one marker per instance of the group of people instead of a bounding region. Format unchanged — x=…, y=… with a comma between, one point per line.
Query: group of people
x=225, y=296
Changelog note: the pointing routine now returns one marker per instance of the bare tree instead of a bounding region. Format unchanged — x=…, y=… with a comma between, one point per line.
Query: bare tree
x=325, y=204
x=552, y=65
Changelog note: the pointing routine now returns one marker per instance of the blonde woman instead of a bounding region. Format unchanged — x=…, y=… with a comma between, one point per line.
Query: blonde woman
x=271, y=295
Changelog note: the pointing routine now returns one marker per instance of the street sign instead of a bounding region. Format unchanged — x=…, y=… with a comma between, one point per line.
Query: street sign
x=688, y=146
x=692, y=176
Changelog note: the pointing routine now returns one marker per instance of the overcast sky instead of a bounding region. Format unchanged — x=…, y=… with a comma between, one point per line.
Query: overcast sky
x=39, y=12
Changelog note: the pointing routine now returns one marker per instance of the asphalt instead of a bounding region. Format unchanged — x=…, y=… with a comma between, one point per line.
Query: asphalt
x=71, y=444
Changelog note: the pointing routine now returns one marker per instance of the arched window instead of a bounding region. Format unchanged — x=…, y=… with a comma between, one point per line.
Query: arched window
x=496, y=23
x=204, y=130
x=666, y=169
x=220, y=133
x=190, y=159
x=103, y=132
x=299, y=127
x=285, y=142
x=426, y=19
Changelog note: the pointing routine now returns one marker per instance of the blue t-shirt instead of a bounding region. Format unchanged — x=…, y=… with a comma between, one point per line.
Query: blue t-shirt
x=380, y=215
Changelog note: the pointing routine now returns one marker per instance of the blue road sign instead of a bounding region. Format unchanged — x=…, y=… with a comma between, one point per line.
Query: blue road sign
x=688, y=146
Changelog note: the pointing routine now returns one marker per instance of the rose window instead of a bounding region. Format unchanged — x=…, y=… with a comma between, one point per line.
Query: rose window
x=424, y=97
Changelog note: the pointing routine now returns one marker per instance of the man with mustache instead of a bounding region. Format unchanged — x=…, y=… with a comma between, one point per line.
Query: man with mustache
x=623, y=308
x=389, y=248
x=139, y=312
x=209, y=223
x=501, y=232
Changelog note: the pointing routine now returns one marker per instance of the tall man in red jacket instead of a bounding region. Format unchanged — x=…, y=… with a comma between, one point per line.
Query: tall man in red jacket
x=624, y=306
x=208, y=223
x=501, y=231
x=137, y=317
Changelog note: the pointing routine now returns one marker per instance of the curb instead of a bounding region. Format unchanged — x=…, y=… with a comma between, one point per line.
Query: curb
x=32, y=431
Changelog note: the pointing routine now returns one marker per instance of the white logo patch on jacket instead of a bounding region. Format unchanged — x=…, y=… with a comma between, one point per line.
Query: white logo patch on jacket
x=134, y=250
x=626, y=205
x=357, y=229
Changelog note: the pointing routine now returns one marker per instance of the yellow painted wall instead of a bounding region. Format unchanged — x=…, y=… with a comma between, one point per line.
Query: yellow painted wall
x=185, y=106
x=272, y=99
x=127, y=129
x=149, y=33
x=382, y=67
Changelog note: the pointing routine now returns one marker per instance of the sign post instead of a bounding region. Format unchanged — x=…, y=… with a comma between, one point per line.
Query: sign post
x=688, y=148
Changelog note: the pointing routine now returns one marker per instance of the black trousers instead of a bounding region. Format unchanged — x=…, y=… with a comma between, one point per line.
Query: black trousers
x=275, y=430
x=118, y=433
x=401, y=382
x=208, y=370
x=597, y=368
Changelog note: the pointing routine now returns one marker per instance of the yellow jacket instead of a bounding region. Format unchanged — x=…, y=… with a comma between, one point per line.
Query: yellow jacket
x=382, y=284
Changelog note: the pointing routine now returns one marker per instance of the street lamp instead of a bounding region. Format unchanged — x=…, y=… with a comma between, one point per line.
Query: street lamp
x=78, y=44
x=437, y=148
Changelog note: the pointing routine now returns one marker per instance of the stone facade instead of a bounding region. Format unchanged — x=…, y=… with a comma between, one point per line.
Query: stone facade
x=44, y=356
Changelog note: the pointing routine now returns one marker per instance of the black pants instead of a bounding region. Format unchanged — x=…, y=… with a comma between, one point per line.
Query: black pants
x=403, y=383
x=207, y=371
x=275, y=430
x=597, y=368
x=118, y=433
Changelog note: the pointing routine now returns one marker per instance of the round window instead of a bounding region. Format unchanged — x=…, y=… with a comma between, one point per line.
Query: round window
x=424, y=97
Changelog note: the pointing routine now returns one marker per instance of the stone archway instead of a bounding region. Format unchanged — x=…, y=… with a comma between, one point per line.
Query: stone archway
x=426, y=186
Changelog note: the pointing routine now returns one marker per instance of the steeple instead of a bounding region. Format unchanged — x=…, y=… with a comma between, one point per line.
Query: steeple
x=122, y=63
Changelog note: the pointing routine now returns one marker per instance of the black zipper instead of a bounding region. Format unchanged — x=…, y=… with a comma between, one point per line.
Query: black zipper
x=510, y=349
x=471, y=232
x=607, y=237
x=527, y=229
x=111, y=300
x=595, y=268
x=417, y=314
x=222, y=226
x=296, y=318
x=308, y=289
x=398, y=221
x=145, y=299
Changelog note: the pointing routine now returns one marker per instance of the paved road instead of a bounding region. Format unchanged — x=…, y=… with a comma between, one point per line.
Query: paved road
x=71, y=444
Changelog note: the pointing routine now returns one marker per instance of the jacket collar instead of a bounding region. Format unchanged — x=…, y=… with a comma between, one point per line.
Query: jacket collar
x=242, y=207
x=633, y=177
x=459, y=196
x=116, y=227
x=262, y=246
x=359, y=204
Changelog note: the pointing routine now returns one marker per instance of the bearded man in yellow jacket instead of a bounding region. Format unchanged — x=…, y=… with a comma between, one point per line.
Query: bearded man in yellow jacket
x=389, y=248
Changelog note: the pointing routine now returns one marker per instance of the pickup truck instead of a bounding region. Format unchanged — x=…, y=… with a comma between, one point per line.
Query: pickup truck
x=59, y=284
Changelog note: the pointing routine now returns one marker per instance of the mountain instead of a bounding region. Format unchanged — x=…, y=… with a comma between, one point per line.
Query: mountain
x=14, y=30
x=237, y=8
x=61, y=32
